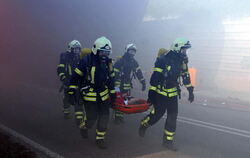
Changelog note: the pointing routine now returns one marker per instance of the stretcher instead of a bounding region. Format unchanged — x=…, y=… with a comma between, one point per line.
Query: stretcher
x=130, y=105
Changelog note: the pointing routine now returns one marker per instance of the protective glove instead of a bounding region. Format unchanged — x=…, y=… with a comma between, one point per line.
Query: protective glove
x=191, y=94
x=143, y=85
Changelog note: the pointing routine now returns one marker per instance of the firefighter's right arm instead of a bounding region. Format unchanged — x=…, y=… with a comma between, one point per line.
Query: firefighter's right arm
x=61, y=72
x=77, y=75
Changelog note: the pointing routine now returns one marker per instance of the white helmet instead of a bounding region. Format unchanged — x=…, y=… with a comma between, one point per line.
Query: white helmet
x=74, y=44
x=102, y=43
x=130, y=46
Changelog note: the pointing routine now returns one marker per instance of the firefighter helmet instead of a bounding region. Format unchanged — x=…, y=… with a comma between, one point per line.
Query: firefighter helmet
x=74, y=44
x=180, y=43
x=130, y=46
x=102, y=43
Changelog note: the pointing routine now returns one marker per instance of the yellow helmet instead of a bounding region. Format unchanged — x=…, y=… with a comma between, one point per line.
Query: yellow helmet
x=85, y=52
x=162, y=51
x=102, y=43
x=180, y=43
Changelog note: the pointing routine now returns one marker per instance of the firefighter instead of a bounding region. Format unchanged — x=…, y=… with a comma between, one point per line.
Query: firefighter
x=68, y=62
x=127, y=68
x=164, y=90
x=96, y=75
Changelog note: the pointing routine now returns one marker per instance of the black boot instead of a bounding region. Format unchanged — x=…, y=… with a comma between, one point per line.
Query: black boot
x=84, y=133
x=169, y=145
x=142, y=130
x=101, y=144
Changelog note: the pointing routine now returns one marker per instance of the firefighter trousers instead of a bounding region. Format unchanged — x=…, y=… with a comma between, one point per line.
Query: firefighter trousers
x=161, y=104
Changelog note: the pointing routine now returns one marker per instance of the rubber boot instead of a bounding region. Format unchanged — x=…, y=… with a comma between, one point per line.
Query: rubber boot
x=101, y=144
x=169, y=145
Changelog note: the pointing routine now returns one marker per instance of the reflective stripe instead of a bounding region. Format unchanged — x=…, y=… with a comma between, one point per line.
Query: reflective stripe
x=145, y=121
x=79, y=72
x=71, y=93
x=116, y=70
x=188, y=85
x=168, y=133
x=161, y=92
x=170, y=90
x=168, y=68
x=153, y=88
x=158, y=69
x=61, y=65
x=100, y=133
x=63, y=77
x=153, y=111
x=89, y=99
x=104, y=92
x=78, y=113
x=170, y=138
x=82, y=125
x=98, y=138
x=79, y=117
x=126, y=84
x=119, y=114
x=92, y=94
x=112, y=91
x=73, y=86
x=105, y=97
x=173, y=94
x=70, y=70
x=113, y=74
x=93, y=74
x=127, y=88
x=117, y=82
x=61, y=74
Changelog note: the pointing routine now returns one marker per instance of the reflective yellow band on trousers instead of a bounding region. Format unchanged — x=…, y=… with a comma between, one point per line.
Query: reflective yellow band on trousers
x=169, y=133
x=61, y=74
x=73, y=86
x=78, y=113
x=112, y=91
x=100, y=133
x=170, y=138
x=61, y=65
